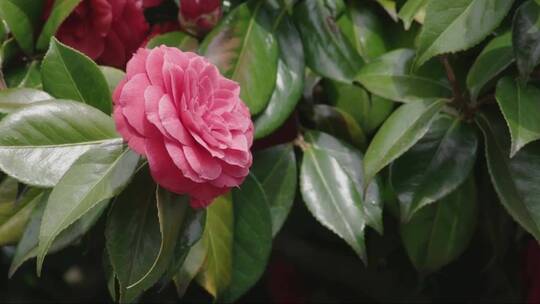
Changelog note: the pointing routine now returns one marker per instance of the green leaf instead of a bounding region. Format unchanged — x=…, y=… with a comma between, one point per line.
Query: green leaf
x=452, y=26
x=98, y=175
x=526, y=37
x=132, y=234
x=390, y=8
x=252, y=237
x=191, y=266
x=364, y=31
x=113, y=76
x=350, y=160
x=69, y=74
x=244, y=49
x=390, y=76
x=41, y=155
x=59, y=12
x=289, y=80
x=435, y=166
x=215, y=274
x=331, y=196
x=338, y=123
x=14, y=99
x=8, y=51
x=179, y=40
x=368, y=111
x=496, y=56
x=519, y=105
x=28, y=245
x=275, y=169
x=19, y=16
x=515, y=180
x=24, y=76
x=399, y=133
x=328, y=52
x=12, y=227
x=439, y=233
x=410, y=10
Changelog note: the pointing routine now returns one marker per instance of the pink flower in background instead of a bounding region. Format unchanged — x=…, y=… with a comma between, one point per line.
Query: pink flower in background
x=176, y=108
x=198, y=17
x=150, y=3
x=108, y=31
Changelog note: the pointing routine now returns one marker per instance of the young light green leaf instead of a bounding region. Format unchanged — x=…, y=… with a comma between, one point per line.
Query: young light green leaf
x=113, y=76
x=495, y=57
x=526, y=37
x=331, y=196
x=252, y=237
x=41, y=155
x=328, y=52
x=60, y=11
x=350, y=160
x=215, y=274
x=98, y=175
x=275, y=169
x=13, y=99
x=515, y=179
x=410, y=10
x=399, y=133
x=391, y=76
x=69, y=74
x=180, y=40
x=289, y=81
x=245, y=50
x=439, y=233
x=452, y=26
x=364, y=30
x=519, y=105
x=435, y=166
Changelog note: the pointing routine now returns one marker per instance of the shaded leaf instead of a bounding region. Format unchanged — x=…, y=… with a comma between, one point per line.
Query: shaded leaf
x=59, y=12
x=12, y=227
x=526, y=37
x=410, y=10
x=338, y=123
x=112, y=76
x=179, y=40
x=20, y=16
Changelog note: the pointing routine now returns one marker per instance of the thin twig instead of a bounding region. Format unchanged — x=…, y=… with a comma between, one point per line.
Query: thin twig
x=458, y=97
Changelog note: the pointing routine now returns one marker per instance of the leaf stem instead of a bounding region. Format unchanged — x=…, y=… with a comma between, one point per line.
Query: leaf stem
x=458, y=96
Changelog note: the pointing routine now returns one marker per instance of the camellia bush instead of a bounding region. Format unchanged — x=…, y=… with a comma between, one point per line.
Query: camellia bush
x=278, y=150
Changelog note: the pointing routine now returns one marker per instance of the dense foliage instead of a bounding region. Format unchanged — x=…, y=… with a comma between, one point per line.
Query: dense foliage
x=405, y=129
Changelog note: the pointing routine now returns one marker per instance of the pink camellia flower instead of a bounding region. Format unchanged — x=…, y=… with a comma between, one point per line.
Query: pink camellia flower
x=176, y=108
x=108, y=31
x=198, y=17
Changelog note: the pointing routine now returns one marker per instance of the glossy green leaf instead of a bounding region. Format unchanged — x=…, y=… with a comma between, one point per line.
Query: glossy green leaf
x=410, y=10
x=252, y=237
x=20, y=17
x=338, y=123
x=245, y=50
x=28, y=245
x=133, y=237
x=350, y=160
x=113, y=76
x=8, y=51
x=289, y=80
x=399, y=133
x=191, y=266
x=69, y=74
x=59, y=12
x=515, y=179
x=391, y=76
x=519, y=105
x=179, y=40
x=14, y=222
x=328, y=52
x=41, y=155
x=435, y=166
x=275, y=169
x=98, y=175
x=526, y=37
x=452, y=26
x=331, y=196
x=13, y=99
x=216, y=272
x=496, y=56
x=439, y=233
x=368, y=111
x=364, y=30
